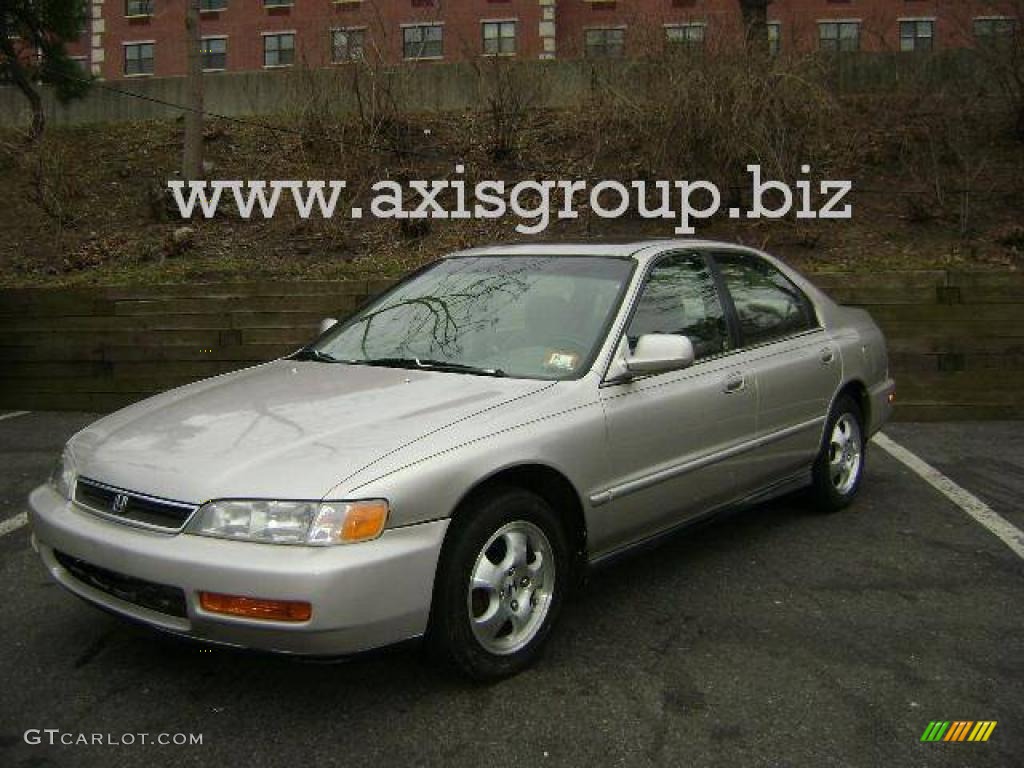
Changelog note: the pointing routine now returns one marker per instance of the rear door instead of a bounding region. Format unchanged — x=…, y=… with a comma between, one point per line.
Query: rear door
x=796, y=364
x=667, y=432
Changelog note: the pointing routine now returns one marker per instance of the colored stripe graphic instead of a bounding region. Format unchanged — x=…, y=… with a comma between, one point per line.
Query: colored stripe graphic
x=935, y=730
x=959, y=730
x=983, y=730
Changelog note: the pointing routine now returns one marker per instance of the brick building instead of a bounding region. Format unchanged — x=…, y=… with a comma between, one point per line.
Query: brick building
x=138, y=38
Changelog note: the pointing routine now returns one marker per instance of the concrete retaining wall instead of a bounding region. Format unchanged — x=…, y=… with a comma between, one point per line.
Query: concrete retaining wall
x=431, y=88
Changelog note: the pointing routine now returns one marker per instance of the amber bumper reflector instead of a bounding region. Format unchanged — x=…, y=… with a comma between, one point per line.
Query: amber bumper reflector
x=255, y=607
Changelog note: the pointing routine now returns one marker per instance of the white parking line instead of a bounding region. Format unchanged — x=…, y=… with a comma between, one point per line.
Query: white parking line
x=1010, y=535
x=11, y=524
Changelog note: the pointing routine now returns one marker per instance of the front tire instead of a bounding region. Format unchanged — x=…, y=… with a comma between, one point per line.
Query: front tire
x=503, y=573
x=840, y=464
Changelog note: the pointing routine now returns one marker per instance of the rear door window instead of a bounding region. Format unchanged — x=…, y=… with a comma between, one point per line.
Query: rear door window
x=768, y=305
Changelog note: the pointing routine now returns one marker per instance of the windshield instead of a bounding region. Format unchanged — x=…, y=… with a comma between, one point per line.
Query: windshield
x=524, y=316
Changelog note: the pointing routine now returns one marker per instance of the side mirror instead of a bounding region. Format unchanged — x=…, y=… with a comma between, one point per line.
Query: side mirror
x=660, y=352
x=327, y=323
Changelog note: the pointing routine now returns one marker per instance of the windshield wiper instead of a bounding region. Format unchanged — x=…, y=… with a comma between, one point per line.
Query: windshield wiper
x=312, y=353
x=444, y=365
x=431, y=365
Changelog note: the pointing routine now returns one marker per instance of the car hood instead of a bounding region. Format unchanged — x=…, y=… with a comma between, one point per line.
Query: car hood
x=287, y=429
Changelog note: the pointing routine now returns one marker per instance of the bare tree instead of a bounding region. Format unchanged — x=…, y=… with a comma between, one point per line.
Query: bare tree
x=755, y=24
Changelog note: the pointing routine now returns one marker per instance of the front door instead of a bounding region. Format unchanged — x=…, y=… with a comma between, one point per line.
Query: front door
x=670, y=435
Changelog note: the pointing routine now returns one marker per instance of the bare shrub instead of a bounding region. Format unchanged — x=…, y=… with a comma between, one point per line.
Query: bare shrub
x=709, y=116
x=318, y=116
x=943, y=142
x=509, y=93
x=1012, y=238
x=378, y=114
x=353, y=107
x=53, y=184
x=998, y=48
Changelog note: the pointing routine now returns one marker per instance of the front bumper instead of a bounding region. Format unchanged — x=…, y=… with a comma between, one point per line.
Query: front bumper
x=363, y=595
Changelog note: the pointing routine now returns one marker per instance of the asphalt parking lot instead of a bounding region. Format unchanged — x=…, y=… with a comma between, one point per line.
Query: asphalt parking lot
x=775, y=637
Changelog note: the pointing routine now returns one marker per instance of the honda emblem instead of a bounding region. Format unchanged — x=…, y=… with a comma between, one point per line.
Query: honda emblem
x=120, y=502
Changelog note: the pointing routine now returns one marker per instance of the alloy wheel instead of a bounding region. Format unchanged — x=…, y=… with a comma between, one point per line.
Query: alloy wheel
x=511, y=586
x=845, y=453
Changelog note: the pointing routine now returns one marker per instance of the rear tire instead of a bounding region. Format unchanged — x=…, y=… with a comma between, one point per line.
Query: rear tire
x=839, y=468
x=503, y=573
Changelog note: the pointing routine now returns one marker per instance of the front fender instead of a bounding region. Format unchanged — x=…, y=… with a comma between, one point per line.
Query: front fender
x=432, y=485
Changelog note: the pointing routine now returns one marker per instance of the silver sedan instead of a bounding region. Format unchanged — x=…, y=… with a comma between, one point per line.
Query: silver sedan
x=450, y=459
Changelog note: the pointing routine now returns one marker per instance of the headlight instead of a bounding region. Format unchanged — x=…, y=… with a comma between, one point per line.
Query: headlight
x=62, y=478
x=320, y=523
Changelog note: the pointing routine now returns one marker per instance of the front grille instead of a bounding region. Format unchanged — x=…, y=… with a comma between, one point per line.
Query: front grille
x=147, y=594
x=131, y=506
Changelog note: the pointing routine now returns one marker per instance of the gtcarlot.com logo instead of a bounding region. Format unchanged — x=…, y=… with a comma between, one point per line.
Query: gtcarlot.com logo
x=958, y=730
x=56, y=737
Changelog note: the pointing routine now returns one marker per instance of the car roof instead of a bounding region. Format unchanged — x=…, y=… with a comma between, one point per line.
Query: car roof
x=603, y=247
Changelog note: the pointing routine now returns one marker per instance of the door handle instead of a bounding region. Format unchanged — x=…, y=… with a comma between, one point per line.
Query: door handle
x=734, y=382
x=828, y=356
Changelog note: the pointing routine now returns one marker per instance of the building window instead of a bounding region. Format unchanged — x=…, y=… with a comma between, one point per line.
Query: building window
x=774, y=38
x=917, y=35
x=605, y=43
x=992, y=31
x=689, y=35
x=839, y=35
x=499, y=38
x=348, y=45
x=277, y=3
x=138, y=8
x=215, y=53
x=138, y=58
x=279, y=50
x=423, y=41
x=213, y=5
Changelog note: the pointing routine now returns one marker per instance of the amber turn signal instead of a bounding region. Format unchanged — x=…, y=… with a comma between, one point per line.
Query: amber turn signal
x=255, y=607
x=365, y=520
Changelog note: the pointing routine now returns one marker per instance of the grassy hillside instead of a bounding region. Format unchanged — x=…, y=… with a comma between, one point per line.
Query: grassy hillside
x=937, y=181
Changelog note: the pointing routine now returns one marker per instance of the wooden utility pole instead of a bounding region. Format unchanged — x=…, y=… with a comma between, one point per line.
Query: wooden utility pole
x=192, y=157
